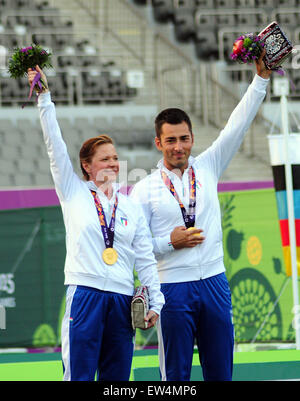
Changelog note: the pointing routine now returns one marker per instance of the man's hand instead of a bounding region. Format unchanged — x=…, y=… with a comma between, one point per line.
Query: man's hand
x=184, y=238
x=31, y=75
x=151, y=318
x=261, y=68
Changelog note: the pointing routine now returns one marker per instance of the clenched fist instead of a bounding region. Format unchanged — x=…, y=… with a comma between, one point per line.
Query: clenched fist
x=31, y=75
x=181, y=237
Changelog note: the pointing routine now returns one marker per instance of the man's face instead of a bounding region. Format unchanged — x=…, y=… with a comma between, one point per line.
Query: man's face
x=176, y=142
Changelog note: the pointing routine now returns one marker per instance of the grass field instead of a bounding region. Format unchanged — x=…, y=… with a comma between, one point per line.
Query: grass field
x=258, y=365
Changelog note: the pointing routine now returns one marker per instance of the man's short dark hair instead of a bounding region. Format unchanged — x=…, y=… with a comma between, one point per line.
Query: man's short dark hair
x=171, y=116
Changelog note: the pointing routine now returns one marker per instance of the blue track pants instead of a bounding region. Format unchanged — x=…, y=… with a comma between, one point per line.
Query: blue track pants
x=97, y=336
x=201, y=312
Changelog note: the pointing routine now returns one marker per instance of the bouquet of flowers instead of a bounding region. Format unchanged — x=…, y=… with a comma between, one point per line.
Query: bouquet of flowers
x=247, y=48
x=29, y=57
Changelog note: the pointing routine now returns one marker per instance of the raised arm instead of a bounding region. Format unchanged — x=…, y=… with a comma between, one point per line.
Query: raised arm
x=228, y=142
x=60, y=163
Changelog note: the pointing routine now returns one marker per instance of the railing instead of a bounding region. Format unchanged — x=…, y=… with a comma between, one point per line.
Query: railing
x=32, y=13
x=175, y=84
x=101, y=17
x=230, y=12
x=78, y=86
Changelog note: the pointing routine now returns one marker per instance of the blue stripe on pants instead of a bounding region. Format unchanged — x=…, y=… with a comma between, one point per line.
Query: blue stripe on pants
x=198, y=311
x=97, y=335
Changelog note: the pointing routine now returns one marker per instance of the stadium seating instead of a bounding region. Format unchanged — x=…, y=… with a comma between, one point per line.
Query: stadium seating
x=163, y=10
x=23, y=157
x=214, y=15
x=28, y=21
x=81, y=78
x=213, y=25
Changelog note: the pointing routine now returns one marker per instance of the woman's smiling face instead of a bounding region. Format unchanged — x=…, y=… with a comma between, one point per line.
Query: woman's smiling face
x=104, y=165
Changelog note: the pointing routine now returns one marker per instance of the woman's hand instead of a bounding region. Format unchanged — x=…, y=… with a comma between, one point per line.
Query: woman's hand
x=31, y=75
x=151, y=318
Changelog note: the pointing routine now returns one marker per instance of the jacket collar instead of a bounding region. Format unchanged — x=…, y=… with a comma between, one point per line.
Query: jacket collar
x=160, y=165
x=93, y=187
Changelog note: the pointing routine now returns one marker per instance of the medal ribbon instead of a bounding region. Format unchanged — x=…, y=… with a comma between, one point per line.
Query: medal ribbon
x=188, y=217
x=107, y=232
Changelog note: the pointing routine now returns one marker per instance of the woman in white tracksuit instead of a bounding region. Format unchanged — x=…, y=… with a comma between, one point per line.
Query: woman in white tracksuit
x=106, y=237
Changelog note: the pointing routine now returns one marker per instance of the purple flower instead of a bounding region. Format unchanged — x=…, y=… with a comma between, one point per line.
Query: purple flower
x=25, y=49
x=246, y=48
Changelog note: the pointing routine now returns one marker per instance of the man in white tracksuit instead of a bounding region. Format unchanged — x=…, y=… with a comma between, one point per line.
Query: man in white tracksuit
x=182, y=194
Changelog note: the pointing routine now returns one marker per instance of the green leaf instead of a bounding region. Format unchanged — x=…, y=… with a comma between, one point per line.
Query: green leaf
x=28, y=57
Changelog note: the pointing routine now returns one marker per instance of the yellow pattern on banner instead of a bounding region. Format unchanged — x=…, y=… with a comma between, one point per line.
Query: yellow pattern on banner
x=288, y=260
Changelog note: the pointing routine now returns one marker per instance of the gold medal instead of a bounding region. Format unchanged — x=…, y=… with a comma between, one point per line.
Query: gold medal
x=110, y=256
x=194, y=228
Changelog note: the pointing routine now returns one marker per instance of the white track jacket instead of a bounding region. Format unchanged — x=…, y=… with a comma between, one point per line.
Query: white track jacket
x=84, y=240
x=164, y=214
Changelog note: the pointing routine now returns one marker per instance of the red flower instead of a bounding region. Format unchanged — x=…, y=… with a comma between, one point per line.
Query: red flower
x=237, y=46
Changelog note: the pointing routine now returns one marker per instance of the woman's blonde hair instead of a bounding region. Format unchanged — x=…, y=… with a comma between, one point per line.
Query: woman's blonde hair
x=89, y=148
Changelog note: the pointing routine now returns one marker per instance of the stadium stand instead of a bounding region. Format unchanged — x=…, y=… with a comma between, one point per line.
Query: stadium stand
x=80, y=78
x=24, y=22
x=95, y=45
x=212, y=26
